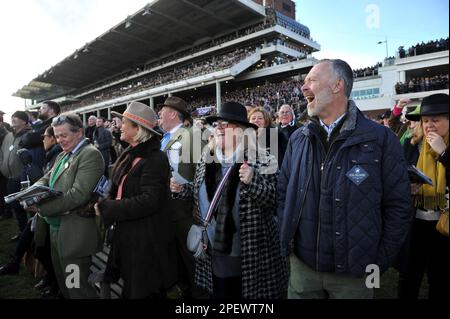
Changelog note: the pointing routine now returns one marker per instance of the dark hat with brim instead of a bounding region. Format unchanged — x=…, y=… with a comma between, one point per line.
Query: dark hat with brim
x=176, y=103
x=140, y=114
x=436, y=104
x=414, y=115
x=232, y=112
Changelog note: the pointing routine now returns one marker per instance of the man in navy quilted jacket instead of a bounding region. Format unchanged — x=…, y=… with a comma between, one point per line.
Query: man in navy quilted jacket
x=343, y=193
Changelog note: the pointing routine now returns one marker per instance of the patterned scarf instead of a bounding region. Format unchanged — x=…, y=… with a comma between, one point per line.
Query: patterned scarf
x=431, y=197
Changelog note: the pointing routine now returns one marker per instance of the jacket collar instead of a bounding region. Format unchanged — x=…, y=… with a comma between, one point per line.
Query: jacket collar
x=175, y=136
x=351, y=122
x=144, y=149
x=85, y=142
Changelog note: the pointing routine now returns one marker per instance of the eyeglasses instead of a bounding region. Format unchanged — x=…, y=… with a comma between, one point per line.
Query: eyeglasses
x=223, y=124
x=59, y=120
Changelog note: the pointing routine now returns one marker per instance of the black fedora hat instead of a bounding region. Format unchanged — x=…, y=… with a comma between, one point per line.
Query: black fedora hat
x=435, y=104
x=233, y=112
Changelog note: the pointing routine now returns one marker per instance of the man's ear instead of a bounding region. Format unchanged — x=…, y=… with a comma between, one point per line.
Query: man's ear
x=338, y=86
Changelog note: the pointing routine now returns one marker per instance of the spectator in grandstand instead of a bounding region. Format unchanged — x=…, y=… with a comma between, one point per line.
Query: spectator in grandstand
x=3, y=124
x=5, y=211
x=426, y=247
x=33, y=116
x=249, y=107
x=385, y=117
x=178, y=142
x=424, y=48
x=102, y=139
x=286, y=125
x=40, y=232
x=394, y=122
x=11, y=166
x=74, y=236
x=118, y=146
x=266, y=132
x=90, y=129
x=243, y=223
x=413, y=120
x=42, y=248
x=340, y=167
x=138, y=210
x=47, y=112
x=423, y=84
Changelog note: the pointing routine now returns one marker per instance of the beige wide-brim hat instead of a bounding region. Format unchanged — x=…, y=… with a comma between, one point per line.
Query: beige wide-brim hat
x=140, y=114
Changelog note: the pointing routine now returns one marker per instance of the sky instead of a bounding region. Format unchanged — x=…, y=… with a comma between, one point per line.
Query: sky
x=37, y=34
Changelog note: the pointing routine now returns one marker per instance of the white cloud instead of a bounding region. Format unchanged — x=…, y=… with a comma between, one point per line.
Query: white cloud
x=37, y=34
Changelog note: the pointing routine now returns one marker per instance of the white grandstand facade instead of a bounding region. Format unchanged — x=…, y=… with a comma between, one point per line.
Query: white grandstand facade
x=373, y=93
x=217, y=49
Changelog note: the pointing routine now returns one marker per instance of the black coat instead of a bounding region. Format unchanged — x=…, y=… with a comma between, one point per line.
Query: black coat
x=143, y=232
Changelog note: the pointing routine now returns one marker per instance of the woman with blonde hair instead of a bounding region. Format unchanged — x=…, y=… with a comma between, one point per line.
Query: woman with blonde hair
x=136, y=211
x=266, y=133
x=426, y=247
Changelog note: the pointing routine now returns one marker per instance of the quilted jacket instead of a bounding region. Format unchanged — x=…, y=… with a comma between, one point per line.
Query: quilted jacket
x=340, y=223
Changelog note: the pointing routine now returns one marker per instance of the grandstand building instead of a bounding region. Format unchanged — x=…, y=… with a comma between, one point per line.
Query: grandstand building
x=251, y=51
x=414, y=76
x=204, y=51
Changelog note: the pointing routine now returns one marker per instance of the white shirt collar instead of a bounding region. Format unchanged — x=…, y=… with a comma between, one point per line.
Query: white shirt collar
x=173, y=130
x=77, y=147
x=329, y=129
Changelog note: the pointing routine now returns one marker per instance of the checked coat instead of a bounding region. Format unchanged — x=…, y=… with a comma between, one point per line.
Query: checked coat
x=264, y=273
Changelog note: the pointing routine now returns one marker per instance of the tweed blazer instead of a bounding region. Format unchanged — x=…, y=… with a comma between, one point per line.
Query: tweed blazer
x=78, y=236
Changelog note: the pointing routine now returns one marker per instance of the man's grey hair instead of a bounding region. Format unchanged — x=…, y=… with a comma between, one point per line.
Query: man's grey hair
x=343, y=71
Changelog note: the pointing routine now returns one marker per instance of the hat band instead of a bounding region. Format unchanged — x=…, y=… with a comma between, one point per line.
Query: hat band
x=137, y=118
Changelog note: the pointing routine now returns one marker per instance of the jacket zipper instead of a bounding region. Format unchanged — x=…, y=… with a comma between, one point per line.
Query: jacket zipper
x=321, y=181
x=322, y=167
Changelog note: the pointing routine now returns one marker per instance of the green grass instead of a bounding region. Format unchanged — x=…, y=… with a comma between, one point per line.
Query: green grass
x=20, y=286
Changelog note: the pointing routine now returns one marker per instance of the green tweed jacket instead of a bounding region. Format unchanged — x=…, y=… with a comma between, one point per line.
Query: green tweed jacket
x=78, y=236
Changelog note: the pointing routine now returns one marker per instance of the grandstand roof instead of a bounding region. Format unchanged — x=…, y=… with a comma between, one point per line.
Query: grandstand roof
x=161, y=27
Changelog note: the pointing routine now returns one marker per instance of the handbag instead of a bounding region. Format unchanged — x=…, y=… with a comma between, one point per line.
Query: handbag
x=442, y=224
x=197, y=239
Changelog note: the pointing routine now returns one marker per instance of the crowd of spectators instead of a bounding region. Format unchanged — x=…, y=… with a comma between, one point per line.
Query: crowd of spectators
x=423, y=84
x=424, y=48
x=269, y=96
x=369, y=71
x=272, y=18
x=212, y=64
x=267, y=23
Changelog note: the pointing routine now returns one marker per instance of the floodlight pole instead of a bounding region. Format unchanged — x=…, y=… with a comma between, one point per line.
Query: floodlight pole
x=386, y=42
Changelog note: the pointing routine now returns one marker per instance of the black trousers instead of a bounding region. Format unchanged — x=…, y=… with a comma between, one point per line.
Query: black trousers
x=428, y=253
x=24, y=243
x=44, y=255
x=20, y=213
x=227, y=288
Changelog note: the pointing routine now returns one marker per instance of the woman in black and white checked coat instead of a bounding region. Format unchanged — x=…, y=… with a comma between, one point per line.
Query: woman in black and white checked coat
x=243, y=257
